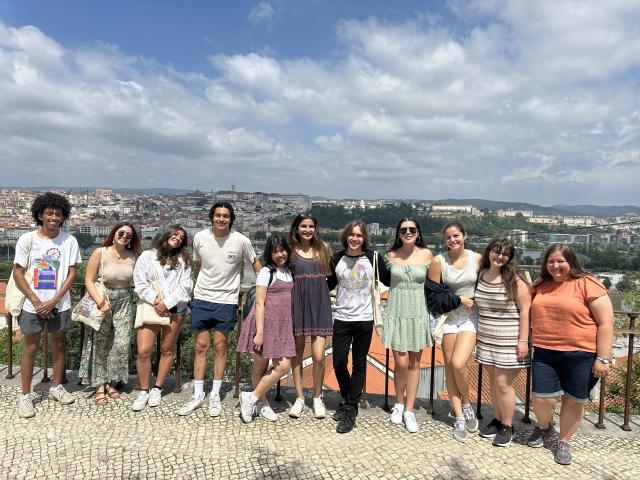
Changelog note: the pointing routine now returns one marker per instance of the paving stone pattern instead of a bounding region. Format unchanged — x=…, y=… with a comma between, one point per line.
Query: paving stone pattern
x=85, y=441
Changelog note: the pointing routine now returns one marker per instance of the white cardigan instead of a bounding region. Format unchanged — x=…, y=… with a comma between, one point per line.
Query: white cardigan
x=176, y=284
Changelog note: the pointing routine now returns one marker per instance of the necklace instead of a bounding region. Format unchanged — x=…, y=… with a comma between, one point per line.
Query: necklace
x=117, y=254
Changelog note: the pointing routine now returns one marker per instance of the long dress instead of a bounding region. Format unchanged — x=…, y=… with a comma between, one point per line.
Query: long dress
x=278, y=341
x=310, y=302
x=105, y=353
x=498, y=327
x=406, y=319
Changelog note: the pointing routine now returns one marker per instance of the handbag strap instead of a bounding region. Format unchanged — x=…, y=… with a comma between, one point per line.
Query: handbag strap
x=101, y=279
x=376, y=274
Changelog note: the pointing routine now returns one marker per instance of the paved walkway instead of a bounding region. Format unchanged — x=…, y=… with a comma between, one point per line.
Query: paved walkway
x=84, y=441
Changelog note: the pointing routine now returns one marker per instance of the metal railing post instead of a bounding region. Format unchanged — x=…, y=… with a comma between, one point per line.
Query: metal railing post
x=178, y=364
x=236, y=379
x=479, y=400
x=45, y=354
x=527, y=398
x=386, y=381
x=600, y=423
x=10, y=374
x=432, y=380
x=627, y=390
x=278, y=397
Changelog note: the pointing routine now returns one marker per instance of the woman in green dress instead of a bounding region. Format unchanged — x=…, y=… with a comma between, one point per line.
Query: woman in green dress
x=406, y=323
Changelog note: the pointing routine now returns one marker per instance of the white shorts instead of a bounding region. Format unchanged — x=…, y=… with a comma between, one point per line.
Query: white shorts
x=462, y=320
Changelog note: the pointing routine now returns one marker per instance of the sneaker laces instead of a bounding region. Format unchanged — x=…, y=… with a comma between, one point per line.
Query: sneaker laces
x=460, y=424
x=468, y=413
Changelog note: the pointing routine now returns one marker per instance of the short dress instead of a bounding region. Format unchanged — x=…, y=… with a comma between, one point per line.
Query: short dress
x=498, y=327
x=310, y=302
x=278, y=341
x=406, y=319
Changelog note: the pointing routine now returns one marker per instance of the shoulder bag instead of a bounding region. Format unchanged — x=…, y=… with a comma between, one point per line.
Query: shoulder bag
x=14, y=298
x=145, y=312
x=375, y=297
x=87, y=311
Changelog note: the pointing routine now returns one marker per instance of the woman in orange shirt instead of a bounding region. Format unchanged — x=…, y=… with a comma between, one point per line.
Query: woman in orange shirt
x=572, y=330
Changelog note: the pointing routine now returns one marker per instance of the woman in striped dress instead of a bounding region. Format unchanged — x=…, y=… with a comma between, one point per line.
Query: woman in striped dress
x=503, y=297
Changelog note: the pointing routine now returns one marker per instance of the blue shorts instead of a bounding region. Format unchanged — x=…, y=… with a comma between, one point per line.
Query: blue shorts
x=556, y=373
x=207, y=315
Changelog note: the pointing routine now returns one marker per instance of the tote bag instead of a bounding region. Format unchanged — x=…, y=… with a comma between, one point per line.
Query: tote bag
x=14, y=298
x=375, y=297
x=145, y=313
x=87, y=311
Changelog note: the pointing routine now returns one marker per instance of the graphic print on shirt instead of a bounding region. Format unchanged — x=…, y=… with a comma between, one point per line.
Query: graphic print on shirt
x=45, y=270
x=355, y=282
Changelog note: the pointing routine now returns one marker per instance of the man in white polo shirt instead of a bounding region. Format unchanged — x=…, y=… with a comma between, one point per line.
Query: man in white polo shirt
x=218, y=254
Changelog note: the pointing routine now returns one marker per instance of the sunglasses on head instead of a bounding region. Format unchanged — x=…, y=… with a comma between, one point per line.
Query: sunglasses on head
x=123, y=234
x=411, y=230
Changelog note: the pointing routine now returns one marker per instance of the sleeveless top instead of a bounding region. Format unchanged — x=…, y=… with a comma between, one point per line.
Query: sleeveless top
x=461, y=282
x=116, y=274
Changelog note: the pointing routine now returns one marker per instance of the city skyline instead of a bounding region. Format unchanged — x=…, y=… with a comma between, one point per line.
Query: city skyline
x=531, y=102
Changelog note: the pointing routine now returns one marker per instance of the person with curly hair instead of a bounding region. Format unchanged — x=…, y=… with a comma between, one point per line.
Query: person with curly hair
x=44, y=269
x=105, y=354
x=168, y=264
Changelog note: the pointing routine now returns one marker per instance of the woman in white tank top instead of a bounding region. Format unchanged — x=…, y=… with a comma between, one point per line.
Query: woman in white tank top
x=458, y=269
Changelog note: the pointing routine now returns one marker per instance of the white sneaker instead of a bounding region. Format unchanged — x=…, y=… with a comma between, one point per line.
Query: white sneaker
x=25, y=406
x=155, y=397
x=470, y=418
x=61, y=395
x=141, y=401
x=193, y=403
x=460, y=430
x=215, y=405
x=296, y=409
x=246, y=407
x=396, y=414
x=319, y=409
x=267, y=412
x=410, y=422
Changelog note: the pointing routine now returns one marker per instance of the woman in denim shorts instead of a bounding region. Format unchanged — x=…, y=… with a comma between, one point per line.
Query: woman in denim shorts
x=572, y=330
x=168, y=264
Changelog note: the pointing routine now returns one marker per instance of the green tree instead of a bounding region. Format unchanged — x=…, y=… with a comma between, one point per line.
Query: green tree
x=84, y=240
x=260, y=235
x=606, y=282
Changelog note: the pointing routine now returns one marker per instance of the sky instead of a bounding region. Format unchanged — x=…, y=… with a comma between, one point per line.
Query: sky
x=498, y=99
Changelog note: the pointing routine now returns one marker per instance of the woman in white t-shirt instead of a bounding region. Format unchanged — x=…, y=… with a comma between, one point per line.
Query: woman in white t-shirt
x=268, y=331
x=168, y=264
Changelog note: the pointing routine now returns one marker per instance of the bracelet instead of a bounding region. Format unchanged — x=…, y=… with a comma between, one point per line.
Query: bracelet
x=521, y=340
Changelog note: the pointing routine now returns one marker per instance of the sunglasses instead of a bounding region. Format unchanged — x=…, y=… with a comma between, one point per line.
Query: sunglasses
x=123, y=234
x=411, y=230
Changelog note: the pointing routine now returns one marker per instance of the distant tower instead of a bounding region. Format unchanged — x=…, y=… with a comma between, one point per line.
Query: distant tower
x=233, y=187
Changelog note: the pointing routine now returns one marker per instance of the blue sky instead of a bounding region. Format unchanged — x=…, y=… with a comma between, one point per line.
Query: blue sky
x=521, y=101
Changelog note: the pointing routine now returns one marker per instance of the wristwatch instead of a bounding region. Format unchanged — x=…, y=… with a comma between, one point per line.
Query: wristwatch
x=603, y=360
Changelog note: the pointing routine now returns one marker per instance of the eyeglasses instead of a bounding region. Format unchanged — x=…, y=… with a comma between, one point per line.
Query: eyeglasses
x=500, y=254
x=125, y=235
x=411, y=230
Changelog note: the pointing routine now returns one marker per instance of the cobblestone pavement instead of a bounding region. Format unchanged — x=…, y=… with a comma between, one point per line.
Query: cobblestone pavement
x=84, y=441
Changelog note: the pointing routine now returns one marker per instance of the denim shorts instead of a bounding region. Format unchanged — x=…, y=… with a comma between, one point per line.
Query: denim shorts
x=207, y=315
x=557, y=372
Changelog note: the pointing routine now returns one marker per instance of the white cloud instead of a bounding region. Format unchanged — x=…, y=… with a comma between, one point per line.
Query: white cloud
x=262, y=14
x=533, y=101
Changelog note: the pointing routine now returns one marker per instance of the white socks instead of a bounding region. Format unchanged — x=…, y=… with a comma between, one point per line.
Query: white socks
x=215, y=389
x=198, y=388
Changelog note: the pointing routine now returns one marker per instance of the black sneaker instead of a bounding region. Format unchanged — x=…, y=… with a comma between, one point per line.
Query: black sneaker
x=503, y=437
x=347, y=421
x=490, y=429
x=538, y=436
x=339, y=412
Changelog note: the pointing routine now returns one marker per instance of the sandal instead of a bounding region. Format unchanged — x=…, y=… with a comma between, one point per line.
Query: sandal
x=100, y=397
x=111, y=391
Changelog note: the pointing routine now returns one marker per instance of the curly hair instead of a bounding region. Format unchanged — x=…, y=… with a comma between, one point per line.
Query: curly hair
x=50, y=200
